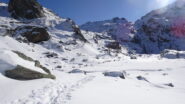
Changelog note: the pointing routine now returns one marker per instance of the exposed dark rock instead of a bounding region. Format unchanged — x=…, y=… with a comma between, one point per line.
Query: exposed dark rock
x=32, y=33
x=74, y=71
x=113, y=45
x=85, y=60
x=115, y=74
x=72, y=60
x=22, y=73
x=37, y=64
x=165, y=74
x=172, y=54
x=142, y=78
x=23, y=56
x=78, y=33
x=58, y=66
x=50, y=55
x=169, y=84
x=28, y=9
x=71, y=42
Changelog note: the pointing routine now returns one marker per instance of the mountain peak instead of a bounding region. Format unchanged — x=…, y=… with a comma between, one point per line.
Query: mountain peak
x=180, y=3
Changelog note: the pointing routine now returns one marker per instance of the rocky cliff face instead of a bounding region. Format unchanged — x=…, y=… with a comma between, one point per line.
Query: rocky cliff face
x=162, y=29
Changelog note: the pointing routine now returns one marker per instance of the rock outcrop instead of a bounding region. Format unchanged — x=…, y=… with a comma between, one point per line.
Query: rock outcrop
x=33, y=34
x=115, y=74
x=22, y=73
x=173, y=54
x=28, y=9
x=114, y=45
x=162, y=29
x=118, y=28
x=70, y=25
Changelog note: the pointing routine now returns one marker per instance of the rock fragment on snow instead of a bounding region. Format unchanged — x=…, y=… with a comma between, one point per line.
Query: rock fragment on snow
x=142, y=78
x=169, y=84
x=74, y=71
x=115, y=74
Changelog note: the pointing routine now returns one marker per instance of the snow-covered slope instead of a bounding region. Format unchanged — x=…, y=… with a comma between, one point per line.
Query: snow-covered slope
x=63, y=40
x=162, y=29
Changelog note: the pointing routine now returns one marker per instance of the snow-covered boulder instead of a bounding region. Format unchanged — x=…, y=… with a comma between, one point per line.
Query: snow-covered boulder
x=22, y=73
x=172, y=54
x=32, y=33
x=74, y=71
x=16, y=67
x=115, y=74
x=162, y=29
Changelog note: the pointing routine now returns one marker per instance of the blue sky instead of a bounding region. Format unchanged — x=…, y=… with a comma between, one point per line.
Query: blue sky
x=92, y=10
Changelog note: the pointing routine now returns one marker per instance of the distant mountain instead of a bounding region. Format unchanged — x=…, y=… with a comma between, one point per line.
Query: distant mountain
x=119, y=28
x=162, y=29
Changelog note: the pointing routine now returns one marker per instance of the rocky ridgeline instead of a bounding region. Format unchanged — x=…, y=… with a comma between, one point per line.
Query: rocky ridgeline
x=118, y=28
x=162, y=29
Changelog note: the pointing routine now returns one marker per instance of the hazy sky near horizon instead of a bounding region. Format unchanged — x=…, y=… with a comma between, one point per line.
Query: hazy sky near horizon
x=93, y=10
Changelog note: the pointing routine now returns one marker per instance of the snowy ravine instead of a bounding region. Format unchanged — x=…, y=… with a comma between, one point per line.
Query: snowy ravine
x=91, y=67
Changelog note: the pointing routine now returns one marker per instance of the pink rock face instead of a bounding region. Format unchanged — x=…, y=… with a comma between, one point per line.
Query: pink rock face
x=178, y=28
